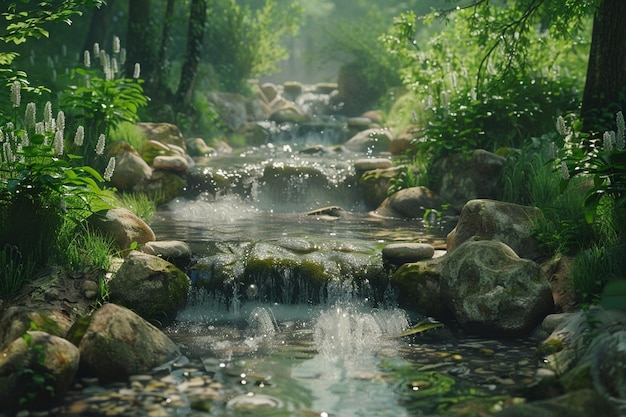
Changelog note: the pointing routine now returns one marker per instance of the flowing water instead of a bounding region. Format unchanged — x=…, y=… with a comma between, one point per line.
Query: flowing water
x=338, y=355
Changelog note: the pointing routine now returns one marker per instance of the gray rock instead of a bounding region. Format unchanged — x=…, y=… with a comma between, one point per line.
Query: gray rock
x=231, y=108
x=118, y=343
x=175, y=163
x=166, y=133
x=130, y=170
x=492, y=291
x=419, y=288
x=375, y=185
x=496, y=220
x=410, y=202
x=17, y=320
x=402, y=253
x=174, y=251
x=461, y=178
x=370, y=140
x=123, y=226
x=152, y=287
x=29, y=357
x=368, y=164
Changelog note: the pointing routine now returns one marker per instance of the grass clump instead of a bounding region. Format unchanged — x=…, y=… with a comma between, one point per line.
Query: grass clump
x=141, y=204
x=82, y=249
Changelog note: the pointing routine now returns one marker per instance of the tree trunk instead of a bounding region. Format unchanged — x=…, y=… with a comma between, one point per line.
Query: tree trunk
x=195, y=36
x=606, y=72
x=140, y=41
x=162, y=67
x=98, y=29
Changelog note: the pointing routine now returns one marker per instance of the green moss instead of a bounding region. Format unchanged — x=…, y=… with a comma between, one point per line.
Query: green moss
x=78, y=329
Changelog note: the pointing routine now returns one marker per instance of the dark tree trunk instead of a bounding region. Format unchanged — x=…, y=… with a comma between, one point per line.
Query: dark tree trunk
x=140, y=41
x=98, y=29
x=195, y=36
x=606, y=73
x=162, y=68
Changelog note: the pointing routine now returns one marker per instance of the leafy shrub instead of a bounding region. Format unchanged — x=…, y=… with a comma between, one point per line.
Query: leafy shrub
x=40, y=184
x=104, y=99
x=473, y=99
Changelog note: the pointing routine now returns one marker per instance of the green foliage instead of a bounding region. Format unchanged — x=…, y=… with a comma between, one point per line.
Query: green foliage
x=593, y=268
x=356, y=42
x=129, y=133
x=81, y=249
x=406, y=178
x=104, y=99
x=14, y=270
x=142, y=205
x=477, y=98
x=41, y=186
x=27, y=19
x=241, y=43
x=603, y=162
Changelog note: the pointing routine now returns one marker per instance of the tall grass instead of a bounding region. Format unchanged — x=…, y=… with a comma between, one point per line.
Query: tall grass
x=81, y=249
x=141, y=204
x=15, y=270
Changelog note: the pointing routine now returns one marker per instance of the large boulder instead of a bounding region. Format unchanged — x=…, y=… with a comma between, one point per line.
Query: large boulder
x=166, y=133
x=496, y=220
x=123, y=226
x=419, y=288
x=492, y=291
x=152, y=287
x=36, y=368
x=460, y=178
x=410, y=203
x=370, y=141
x=130, y=170
x=375, y=184
x=115, y=343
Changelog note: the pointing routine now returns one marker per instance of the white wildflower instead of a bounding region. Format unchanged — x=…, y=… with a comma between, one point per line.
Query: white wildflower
x=608, y=140
x=100, y=145
x=80, y=136
x=47, y=115
x=114, y=66
x=116, y=45
x=621, y=131
x=16, y=93
x=60, y=120
x=96, y=49
x=560, y=126
x=108, y=172
x=87, y=59
x=564, y=171
x=58, y=142
x=123, y=56
x=7, y=152
x=40, y=128
x=137, y=71
x=30, y=116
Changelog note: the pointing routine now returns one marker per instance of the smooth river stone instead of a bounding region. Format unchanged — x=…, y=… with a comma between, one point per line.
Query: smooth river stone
x=402, y=253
